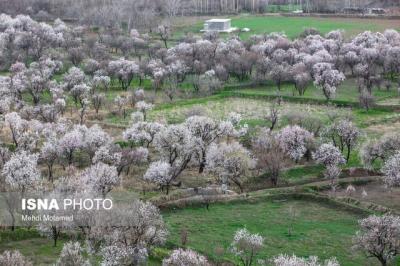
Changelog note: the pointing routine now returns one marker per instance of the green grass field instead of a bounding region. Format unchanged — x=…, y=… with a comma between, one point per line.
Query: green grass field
x=293, y=26
x=38, y=249
x=317, y=229
x=347, y=92
x=282, y=8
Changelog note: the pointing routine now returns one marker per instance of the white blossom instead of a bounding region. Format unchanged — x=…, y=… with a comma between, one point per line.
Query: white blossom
x=159, y=172
x=379, y=237
x=286, y=260
x=327, y=78
x=100, y=178
x=13, y=258
x=21, y=171
x=230, y=162
x=72, y=254
x=142, y=132
x=246, y=245
x=391, y=169
x=294, y=140
x=180, y=257
x=117, y=255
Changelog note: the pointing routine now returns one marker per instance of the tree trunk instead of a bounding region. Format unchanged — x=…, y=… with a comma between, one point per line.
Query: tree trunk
x=50, y=169
x=55, y=236
x=382, y=261
x=348, y=154
x=202, y=163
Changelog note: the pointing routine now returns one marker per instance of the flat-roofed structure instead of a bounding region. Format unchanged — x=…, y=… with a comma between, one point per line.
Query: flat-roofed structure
x=219, y=25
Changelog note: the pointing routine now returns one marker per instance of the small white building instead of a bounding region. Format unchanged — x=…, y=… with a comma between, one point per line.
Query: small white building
x=219, y=25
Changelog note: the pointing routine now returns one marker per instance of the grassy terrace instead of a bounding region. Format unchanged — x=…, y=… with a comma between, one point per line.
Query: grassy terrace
x=38, y=249
x=317, y=229
x=254, y=104
x=346, y=93
x=293, y=26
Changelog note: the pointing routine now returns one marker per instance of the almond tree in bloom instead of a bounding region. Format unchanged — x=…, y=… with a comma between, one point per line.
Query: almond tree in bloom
x=80, y=94
x=269, y=155
x=142, y=133
x=175, y=74
x=176, y=146
x=156, y=68
x=73, y=77
x=25, y=134
x=100, y=82
x=135, y=96
x=116, y=255
x=273, y=116
x=38, y=76
x=351, y=58
x=233, y=127
x=100, y=178
x=367, y=69
x=344, y=135
x=128, y=229
x=69, y=143
x=381, y=149
x=144, y=107
x=108, y=154
x=391, y=169
x=181, y=257
x=49, y=154
x=379, y=237
x=209, y=83
x=160, y=173
x=330, y=156
x=207, y=131
x=294, y=141
x=21, y=171
x=49, y=113
x=366, y=100
x=85, y=104
x=301, y=78
x=231, y=162
x=164, y=31
x=245, y=246
x=18, y=127
x=327, y=79
x=94, y=137
x=13, y=258
x=286, y=260
x=90, y=66
x=121, y=103
x=13, y=86
x=279, y=73
x=123, y=70
x=130, y=157
x=98, y=100
x=72, y=254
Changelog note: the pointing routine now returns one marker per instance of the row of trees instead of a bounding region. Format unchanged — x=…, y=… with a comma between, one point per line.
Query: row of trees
x=130, y=12
x=378, y=237
x=200, y=141
x=85, y=160
x=181, y=146
x=112, y=13
x=207, y=63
